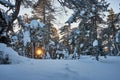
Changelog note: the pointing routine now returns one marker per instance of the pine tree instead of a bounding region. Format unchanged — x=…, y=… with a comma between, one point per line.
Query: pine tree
x=112, y=21
x=65, y=40
x=117, y=34
x=87, y=11
x=43, y=10
x=7, y=17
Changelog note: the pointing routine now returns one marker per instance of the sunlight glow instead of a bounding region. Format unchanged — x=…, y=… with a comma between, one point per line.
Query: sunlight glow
x=39, y=51
x=106, y=49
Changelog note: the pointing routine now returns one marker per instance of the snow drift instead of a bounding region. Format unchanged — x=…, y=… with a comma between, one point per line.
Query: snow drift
x=13, y=55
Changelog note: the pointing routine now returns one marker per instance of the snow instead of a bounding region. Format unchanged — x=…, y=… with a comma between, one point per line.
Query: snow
x=16, y=28
x=13, y=56
x=52, y=42
x=35, y=24
x=87, y=35
x=26, y=37
x=6, y=3
x=85, y=68
x=103, y=25
x=95, y=43
x=66, y=53
x=59, y=52
x=70, y=41
x=82, y=12
x=47, y=55
x=93, y=8
x=91, y=14
x=81, y=45
x=75, y=54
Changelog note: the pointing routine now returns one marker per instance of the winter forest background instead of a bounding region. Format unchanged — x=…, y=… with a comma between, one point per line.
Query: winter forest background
x=97, y=32
x=59, y=40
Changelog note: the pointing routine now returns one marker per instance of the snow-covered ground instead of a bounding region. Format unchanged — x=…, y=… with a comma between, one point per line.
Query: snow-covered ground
x=83, y=69
x=86, y=68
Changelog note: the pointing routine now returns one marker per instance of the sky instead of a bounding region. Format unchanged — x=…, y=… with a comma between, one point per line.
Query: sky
x=115, y=5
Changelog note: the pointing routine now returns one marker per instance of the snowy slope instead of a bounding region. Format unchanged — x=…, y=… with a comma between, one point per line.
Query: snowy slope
x=83, y=69
x=13, y=56
x=86, y=68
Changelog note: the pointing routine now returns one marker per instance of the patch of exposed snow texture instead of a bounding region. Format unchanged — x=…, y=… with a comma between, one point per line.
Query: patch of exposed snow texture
x=93, y=8
x=16, y=27
x=59, y=52
x=81, y=45
x=83, y=69
x=91, y=14
x=82, y=12
x=75, y=52
x=26, y=37
x=52, y=42
x=47, y=55
x=87, y=35
x=103, y=25
x=35, y=24
x=95, y=43
x=70, y=40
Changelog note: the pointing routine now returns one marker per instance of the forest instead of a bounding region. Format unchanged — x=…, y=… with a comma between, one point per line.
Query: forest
x=36, y=36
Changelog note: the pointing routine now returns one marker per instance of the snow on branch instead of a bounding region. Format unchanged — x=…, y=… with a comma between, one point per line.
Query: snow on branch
x=6, y=3
x=95, y=43
x=72, y=18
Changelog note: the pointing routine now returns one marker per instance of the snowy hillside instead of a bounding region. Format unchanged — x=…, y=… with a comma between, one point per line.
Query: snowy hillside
x=83, y=69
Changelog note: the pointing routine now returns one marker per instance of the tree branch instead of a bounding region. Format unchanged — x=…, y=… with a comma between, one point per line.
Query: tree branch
x=6, y=3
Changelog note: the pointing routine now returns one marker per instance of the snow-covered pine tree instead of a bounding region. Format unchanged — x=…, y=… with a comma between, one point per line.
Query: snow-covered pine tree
x=87, y=11
x=9, y=15
x=66, y=38
x=44, y=11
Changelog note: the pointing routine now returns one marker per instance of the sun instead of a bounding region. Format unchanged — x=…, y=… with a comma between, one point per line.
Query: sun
x=39, y=51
